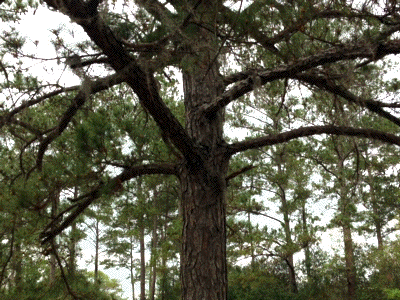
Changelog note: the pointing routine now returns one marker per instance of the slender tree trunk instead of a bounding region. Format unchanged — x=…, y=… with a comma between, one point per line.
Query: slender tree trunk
x=17, y=265
x=142, y=263
x=53, y=261
x=96, y=255
x=377, y=219
x=375, y=210
x=349, y=259
x=203, y=186
x=53, y=268
x=292, y=274
x=153, y=277
x=141, y=227
x=344, y=203
x=279, y=160
x=307, y=254
x=289, y=259
x=287, y=229
x=72, y=244
x=253, y=257
x=131, y=267
x=164, y=254
x=378, y=228
x=72, y=253
x=9, y=257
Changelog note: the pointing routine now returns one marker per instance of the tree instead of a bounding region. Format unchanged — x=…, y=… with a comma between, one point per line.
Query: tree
x=270, y=41
x=380, y=192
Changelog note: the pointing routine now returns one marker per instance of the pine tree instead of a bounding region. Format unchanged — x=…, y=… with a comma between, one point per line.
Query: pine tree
x=323, y=45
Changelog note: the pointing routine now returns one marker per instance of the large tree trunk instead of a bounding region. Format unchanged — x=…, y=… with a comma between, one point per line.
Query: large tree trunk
x=203, y=261
x=203, y=186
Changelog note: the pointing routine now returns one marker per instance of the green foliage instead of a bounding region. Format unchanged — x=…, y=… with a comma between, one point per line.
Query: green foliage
x=393, y=294
x=82, y=286
x=258, y=284
x=91, y=135
x=169, y=285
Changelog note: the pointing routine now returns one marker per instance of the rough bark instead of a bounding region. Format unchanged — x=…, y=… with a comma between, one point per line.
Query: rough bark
x=202, y=181
x=203, y=259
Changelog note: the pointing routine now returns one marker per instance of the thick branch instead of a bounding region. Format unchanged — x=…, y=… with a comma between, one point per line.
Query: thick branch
x=284, y=137
x=323, y=83
x=255, y=78
x=114, y=185
x=139, y=79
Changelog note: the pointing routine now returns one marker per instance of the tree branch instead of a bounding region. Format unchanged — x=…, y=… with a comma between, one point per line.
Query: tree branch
x=140, y=79
x=249, y=210
x=79, y=100
x=284, y=137
x=8, y=117
x=112, y=186
x=371, y=105
x=239, y=172
x=268, y=42
x=256, y=78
